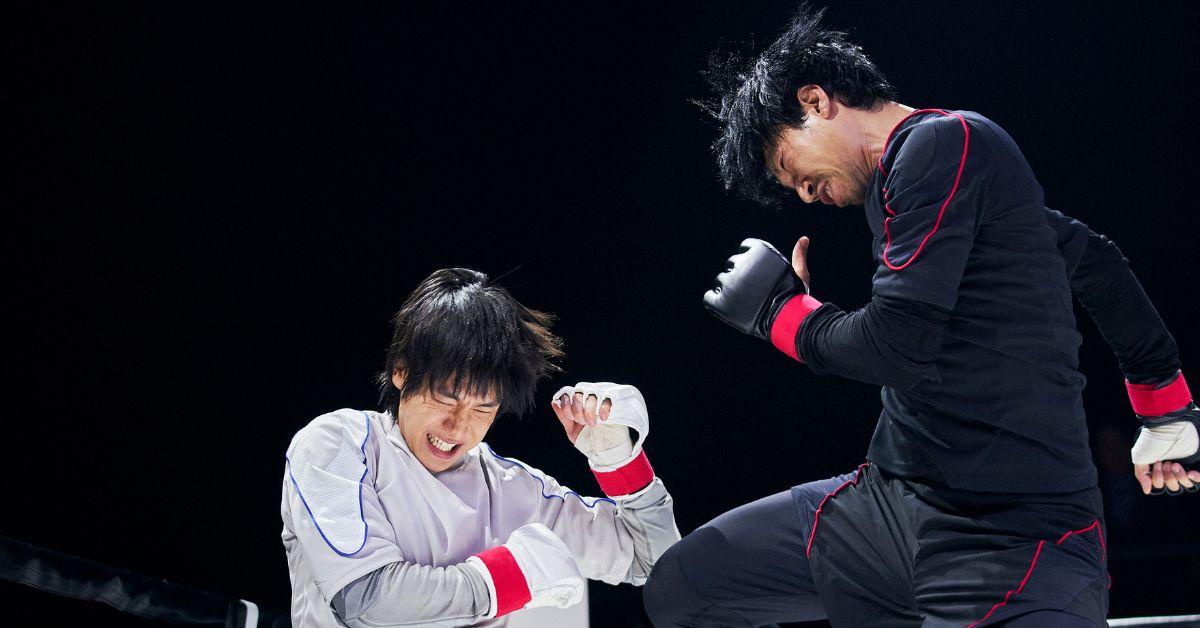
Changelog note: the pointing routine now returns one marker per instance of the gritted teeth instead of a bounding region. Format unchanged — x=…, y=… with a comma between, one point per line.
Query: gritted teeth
x=441, y=444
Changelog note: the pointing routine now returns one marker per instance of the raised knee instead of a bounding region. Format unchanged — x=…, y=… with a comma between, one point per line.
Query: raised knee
x=666, y=592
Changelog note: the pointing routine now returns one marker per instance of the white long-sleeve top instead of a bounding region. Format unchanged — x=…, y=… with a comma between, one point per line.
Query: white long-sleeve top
x=359, y=509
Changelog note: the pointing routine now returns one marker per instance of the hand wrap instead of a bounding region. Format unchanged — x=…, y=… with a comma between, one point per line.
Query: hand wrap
x=617, y=460
x=534, y=568
x=1170, y=425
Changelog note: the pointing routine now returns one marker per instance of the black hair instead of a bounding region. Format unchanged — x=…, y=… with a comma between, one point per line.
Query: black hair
x=460, y=332
x=758, y=96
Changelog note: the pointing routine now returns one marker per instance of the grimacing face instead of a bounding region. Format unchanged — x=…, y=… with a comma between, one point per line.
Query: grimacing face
x=824, y=160
x=439, y=427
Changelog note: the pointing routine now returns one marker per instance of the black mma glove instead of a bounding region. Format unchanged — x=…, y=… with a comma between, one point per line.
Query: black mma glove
x=759, y=294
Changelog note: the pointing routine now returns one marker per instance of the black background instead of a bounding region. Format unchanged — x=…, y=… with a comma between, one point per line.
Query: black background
x=214, y=210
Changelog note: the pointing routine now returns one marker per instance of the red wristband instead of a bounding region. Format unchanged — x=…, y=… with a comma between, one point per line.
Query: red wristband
x=634, y=476
x=512, y=592
x=787, y=323
x=1150, y=401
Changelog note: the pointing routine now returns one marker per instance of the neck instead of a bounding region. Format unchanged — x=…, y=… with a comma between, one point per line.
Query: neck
x=877, y=124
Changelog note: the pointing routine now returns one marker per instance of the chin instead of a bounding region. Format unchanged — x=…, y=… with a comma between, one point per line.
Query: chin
x=438, y=465
x=852, y=198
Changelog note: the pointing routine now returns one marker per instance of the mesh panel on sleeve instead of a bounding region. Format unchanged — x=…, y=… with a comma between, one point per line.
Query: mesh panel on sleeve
x=333, y=493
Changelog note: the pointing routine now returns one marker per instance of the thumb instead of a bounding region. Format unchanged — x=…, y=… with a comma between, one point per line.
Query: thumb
x=800, y=260
x=1142, y=473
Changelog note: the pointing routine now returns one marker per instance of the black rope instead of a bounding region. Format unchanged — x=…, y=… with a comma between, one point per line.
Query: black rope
x=127, y=591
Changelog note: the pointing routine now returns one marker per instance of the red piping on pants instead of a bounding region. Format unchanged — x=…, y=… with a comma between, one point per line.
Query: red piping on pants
x=1033, y=563
x=817, y=516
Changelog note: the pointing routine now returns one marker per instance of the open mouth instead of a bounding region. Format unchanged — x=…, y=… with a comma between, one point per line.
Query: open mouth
x=441, y=448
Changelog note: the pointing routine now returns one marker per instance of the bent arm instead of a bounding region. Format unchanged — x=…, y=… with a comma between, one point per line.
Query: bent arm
x=405, y=594
x=1113, y=297
x=929, y=232
x=648, y=517
x=348, y=543
x=621, y=543
x=616, y=539
x=889, y=342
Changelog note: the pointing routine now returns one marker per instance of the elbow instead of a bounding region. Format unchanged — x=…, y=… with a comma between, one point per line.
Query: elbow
x=347, y=611
x=907, y=359
x=906, y=376
x=907, y=338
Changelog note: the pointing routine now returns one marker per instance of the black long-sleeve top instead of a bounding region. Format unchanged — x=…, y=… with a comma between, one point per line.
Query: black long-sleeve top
x=970, y=328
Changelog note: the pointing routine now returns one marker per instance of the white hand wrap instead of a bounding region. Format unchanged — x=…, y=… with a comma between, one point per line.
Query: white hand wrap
x=534, y=568
x=1170, y=422
x=616, y=459
x=1177, y=440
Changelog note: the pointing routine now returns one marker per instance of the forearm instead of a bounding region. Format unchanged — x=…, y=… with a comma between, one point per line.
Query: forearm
x=649, y=519
x=1113, y=297
x=405, y=594
x=888, y=342
x=617, y=539
x=1115, y=300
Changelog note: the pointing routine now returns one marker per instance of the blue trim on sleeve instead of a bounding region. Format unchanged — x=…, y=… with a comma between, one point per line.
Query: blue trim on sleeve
x=543, y=483
x=363, y=449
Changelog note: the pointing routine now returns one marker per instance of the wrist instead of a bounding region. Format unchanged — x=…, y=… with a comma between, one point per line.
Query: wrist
x=627, y=478
x=507, y=587
x=788, y=320
x=1150, y=401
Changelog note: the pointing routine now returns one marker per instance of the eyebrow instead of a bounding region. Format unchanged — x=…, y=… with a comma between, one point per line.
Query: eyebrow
x=450, y=394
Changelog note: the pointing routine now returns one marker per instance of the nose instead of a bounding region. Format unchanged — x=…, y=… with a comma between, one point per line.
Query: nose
x=455, y=422
x=807, y=191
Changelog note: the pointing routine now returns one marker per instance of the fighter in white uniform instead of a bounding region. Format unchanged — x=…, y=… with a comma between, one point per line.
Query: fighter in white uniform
x=405, y=517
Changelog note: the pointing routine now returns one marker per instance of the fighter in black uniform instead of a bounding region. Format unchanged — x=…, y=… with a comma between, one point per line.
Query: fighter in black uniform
x=978, y=504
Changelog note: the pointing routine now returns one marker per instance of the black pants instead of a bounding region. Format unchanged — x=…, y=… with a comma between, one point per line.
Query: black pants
x=868, y=549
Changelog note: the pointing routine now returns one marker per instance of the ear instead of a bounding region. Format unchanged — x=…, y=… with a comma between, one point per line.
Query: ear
x=398, y=378
x=814, y=100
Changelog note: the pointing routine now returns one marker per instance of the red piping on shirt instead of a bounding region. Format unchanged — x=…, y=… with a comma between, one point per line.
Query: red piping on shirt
x=817, y=516
x=942, y=211
x=1033, y=563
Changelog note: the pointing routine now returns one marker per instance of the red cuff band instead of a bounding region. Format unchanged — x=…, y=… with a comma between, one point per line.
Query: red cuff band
x=631, y=478
x=787, y=323
x=1150, y=401
x=512, y=592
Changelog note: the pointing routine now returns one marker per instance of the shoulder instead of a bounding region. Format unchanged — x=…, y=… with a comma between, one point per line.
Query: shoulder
x=514, y=473
x=528, y=480
x=319, y=442
x=326, y=464
x=925, y=139
x=501, y=464
x=932, y=136
x=927, y=153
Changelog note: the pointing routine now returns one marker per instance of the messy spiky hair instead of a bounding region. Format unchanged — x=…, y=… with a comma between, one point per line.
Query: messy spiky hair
x=460, y=332
x=757, y=97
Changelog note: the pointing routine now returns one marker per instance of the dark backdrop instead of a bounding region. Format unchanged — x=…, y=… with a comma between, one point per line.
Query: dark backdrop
x=213, y=211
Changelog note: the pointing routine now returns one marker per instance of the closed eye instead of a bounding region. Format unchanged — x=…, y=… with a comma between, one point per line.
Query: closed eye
x=779, y=172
